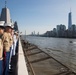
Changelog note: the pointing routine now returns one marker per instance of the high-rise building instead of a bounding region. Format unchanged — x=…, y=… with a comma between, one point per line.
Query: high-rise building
x=69, y=21
x=34, y=32
x=73, y=27
x=61, y=30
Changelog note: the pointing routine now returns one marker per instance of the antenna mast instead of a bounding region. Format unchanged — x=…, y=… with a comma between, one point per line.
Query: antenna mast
x=5, y=3
x=70, y=5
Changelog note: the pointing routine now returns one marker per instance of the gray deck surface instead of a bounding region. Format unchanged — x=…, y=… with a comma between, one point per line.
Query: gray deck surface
x=18, y=63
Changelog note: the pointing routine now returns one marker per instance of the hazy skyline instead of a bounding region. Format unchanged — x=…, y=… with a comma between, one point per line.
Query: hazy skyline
x=40, y=15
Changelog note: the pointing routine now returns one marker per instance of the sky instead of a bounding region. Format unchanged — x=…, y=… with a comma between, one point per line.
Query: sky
x=40, y=15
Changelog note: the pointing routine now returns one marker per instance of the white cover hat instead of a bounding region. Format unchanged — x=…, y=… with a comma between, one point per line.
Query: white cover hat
x=2, y=23
x=9, y=24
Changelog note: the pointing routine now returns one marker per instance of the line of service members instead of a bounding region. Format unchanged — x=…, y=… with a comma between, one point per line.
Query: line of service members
x=8, y=42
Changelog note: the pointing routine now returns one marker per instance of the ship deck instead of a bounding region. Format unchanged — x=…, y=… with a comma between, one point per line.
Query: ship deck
x=19, y=63
x=31, y=60
x=41, y=63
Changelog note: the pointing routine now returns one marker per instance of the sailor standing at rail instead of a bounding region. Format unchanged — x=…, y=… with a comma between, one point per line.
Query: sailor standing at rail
x=15, y=43
x=1, y=46
x=17, y=37
x=13, y=51
x=12, y=47
x=7, y=39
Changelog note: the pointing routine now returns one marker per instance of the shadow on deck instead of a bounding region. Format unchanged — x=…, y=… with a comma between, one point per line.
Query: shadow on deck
x=14, y=62
x=14, y=66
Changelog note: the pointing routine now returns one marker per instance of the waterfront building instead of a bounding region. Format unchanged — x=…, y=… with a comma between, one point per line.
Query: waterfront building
x=61, y=30
x=69, y=21
x=73, y=29
x=54, y=32
x=58, y=28
x=47, y=34
x=38, y=33
x=54, y=29
x=34, y=32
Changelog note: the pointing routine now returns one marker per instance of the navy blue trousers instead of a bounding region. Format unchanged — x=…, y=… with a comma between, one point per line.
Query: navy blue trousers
x=6, y=67
x=1, y=67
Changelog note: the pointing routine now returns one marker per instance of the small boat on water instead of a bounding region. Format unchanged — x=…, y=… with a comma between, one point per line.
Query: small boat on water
x=71, y=41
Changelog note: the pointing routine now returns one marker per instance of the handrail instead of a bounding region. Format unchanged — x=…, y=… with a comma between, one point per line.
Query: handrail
x=22, y=68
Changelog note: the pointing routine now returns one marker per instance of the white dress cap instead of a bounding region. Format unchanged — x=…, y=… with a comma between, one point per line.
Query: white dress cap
x=2, y=23
x=8, y=24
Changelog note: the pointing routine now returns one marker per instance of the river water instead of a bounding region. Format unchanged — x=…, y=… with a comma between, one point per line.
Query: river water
x=60, y=48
